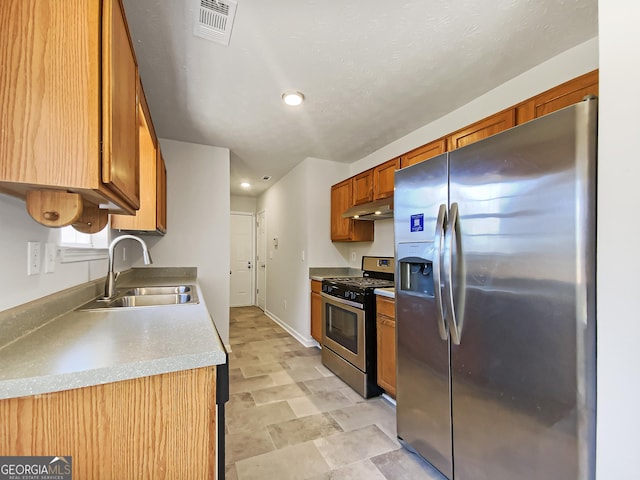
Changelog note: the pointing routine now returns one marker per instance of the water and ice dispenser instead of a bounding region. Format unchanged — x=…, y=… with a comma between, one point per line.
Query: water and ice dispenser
x=415, y=268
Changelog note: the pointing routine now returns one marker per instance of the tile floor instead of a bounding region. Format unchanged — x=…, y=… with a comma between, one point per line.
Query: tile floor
x=289, y=417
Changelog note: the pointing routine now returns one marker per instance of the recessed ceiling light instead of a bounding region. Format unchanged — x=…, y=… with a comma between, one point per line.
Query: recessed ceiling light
x=245, y=185
x=292, y=98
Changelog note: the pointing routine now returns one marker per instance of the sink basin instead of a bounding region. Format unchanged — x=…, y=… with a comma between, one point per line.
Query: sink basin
x=159, y=290
x=150, y=300
x=132, y=297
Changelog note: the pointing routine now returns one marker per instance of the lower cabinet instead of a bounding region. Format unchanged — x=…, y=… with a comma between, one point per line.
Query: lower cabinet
x=161, y=426
x=386, y=339
x=316, y=310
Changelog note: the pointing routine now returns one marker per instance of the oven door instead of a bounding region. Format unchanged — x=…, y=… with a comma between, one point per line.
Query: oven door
x=343, y=329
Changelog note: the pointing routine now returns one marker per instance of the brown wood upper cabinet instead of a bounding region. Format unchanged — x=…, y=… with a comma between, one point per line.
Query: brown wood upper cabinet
x=383, y=176
x=480, y=130
x=151, y=217
x=72, y=104
x=161, y=193
x=424, y=152
x=558, y=97
x=363, y=187
x=347, y=229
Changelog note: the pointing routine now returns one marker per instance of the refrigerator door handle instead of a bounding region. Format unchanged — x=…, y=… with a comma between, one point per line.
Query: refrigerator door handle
x=437, y=279
x=455, y=305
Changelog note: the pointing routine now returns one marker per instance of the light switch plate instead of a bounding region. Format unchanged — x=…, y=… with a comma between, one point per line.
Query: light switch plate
x=50, y=253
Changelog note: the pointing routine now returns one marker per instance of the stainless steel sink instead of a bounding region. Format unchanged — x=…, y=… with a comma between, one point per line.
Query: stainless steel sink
x=133, y=297
x=151, y=300
x=159, y=290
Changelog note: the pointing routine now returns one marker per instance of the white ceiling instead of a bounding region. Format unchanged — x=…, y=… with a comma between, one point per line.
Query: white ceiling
x=371, y=70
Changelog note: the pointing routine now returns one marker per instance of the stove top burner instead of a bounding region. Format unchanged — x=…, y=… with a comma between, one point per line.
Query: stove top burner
x=360, y=282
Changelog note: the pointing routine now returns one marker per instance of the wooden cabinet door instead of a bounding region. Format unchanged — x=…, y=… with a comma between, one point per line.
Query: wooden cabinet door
x=423, y=153
x=482, y=129
x=151, y=217
x=559, y=97
x=347, y=229
x=363, y=188
x=386, y=344
x=341, y=198
x=161, y=426
x=383, y=176
x=120, y=162
x=316, y=311
x=161, y=195
x=145, y=217
x=73, y=107
x=49, y=95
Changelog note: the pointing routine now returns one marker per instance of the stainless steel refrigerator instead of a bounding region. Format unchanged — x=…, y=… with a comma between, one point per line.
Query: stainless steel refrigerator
x=495, y=303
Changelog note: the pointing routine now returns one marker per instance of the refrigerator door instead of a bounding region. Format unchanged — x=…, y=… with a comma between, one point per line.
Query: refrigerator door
x=523, y=376
x=423, y=376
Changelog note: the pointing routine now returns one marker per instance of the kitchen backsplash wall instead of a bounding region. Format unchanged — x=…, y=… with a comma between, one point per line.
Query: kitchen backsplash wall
x=16, y=286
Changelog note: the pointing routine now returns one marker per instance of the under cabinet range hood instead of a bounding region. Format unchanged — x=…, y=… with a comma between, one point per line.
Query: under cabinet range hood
x=378, y=210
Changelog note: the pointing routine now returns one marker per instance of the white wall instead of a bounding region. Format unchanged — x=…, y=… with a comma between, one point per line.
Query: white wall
x=618, y=232
x=298, y=214
x=16, y=287
x=320, y=175
x=241, y=203
x=198, y=221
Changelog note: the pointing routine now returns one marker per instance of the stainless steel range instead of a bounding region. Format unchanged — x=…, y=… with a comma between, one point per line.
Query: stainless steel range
x=349, y=324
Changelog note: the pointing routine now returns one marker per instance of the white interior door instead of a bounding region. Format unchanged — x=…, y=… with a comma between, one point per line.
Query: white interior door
x=242, y=278
x=261, y=260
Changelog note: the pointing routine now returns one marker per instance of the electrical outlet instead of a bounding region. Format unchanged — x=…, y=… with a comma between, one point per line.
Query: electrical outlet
x=33, y=258
x=353, y=256
x=50, y=252
x=284, y=303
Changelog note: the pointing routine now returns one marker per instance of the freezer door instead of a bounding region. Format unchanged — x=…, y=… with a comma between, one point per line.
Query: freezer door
x=423, y=401
x=523, y=376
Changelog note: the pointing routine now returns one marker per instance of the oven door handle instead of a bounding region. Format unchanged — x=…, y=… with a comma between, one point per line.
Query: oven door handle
x=342, y=301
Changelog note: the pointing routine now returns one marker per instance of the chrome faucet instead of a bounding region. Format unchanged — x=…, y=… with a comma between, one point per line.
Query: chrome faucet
x=110, y=284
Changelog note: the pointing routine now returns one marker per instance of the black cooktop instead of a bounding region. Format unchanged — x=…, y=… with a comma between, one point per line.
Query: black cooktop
x=360, y=282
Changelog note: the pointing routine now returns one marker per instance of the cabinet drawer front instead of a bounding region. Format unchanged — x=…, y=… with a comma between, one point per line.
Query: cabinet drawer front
x=385, y=306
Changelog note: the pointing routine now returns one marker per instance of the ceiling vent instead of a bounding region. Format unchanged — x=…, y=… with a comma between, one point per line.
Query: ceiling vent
x=266, y=178
x=214, y=20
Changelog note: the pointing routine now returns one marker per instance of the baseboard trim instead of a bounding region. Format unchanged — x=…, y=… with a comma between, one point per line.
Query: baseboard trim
x=307, y=342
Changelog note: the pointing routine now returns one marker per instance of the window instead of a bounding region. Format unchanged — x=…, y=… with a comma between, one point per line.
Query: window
x=78, y=247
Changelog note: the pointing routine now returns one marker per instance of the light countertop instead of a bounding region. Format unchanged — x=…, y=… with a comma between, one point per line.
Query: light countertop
x=84, y=348
x=386, y=292
x=320, y=273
